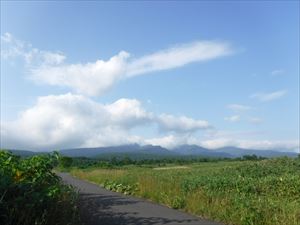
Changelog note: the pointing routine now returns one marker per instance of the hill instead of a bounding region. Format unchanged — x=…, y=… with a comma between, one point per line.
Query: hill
x=183, y=150
x=153, y=151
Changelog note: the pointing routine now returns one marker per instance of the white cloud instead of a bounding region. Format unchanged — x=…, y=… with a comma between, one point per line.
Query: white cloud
x=265, y=97
x=7, y=37
x=255, y=120
x=178, y=56
x=128, y=113
x=53, y=58
x=181, y=124
x=234, y=118
x=284, y=145
x=251, y=139
x=69, y=120
x=95, y=78
x=170, y=141
x=217, y=143
x=56, y=121
x=277, y=72
x=12, y=48
x=233, y=134
x=238, y=107
x=268, y=144
x=91, y=79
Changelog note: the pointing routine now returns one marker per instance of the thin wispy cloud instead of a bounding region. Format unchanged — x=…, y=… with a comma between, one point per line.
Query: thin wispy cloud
x=238, y=107
x=277, y=72
x=265, y=97
x=255, y=120
x=178, y=56
x=252, y=144
x=11, y=48
x=95, y=78
x=234, y=118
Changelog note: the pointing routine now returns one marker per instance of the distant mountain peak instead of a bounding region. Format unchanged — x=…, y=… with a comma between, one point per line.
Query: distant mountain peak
x=156, y=150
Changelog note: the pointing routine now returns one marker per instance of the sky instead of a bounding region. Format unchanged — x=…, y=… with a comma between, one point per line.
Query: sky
x=91, y=74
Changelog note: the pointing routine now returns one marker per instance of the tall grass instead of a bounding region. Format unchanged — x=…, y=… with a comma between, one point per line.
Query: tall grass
x=240, y=193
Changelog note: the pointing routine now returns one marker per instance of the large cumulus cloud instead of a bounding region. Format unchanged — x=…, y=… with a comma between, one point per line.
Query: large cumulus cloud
x=63, y=121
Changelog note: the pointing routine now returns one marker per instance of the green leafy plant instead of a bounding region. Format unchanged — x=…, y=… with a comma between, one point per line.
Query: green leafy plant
x=31, y=193
x=119, y=187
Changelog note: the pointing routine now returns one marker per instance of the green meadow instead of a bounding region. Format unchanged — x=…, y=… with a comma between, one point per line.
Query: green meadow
x=265, y=192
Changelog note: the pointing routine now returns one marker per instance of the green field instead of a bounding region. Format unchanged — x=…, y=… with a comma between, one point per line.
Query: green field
x=263, y=192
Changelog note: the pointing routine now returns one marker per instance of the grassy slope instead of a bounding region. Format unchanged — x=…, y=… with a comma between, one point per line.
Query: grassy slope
x=244, y=193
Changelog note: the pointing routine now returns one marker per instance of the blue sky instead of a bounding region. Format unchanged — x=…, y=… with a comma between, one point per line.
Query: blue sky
x=206, y=73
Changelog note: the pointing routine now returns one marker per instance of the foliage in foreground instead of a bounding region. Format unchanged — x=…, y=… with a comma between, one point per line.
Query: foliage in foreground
x=241, y=193
x=31, y=194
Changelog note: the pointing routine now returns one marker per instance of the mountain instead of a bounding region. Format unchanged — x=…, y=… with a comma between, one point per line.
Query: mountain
x=24, y=153
x=238, y=152
x=92, y=152
x=156, y=149
x=134, y=148
x=183, y=150
x=200, y=151
x=153, y=151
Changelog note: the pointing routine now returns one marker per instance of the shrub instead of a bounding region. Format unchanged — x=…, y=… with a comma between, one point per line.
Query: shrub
x=65, y=162
x=31, y=193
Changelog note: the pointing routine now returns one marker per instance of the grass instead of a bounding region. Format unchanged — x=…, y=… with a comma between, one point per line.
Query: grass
x=239, y=193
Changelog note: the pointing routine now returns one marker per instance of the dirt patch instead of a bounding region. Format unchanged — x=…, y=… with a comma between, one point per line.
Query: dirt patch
x=171, y=168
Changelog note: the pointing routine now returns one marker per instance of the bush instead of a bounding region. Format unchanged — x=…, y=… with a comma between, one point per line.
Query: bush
x=119, y=187
x=65, y=162
x=31, y=193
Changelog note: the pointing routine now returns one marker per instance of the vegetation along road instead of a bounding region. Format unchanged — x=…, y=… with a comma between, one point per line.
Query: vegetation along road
x=247, y=192
x=100, y=206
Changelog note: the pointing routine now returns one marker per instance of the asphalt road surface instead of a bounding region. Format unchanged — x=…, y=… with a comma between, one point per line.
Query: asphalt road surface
x=99, y=206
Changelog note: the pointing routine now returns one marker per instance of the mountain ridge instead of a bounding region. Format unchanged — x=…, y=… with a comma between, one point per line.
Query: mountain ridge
x=183, y=150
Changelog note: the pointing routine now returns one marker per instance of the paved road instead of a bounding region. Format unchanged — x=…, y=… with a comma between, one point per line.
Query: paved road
x=99, y=206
